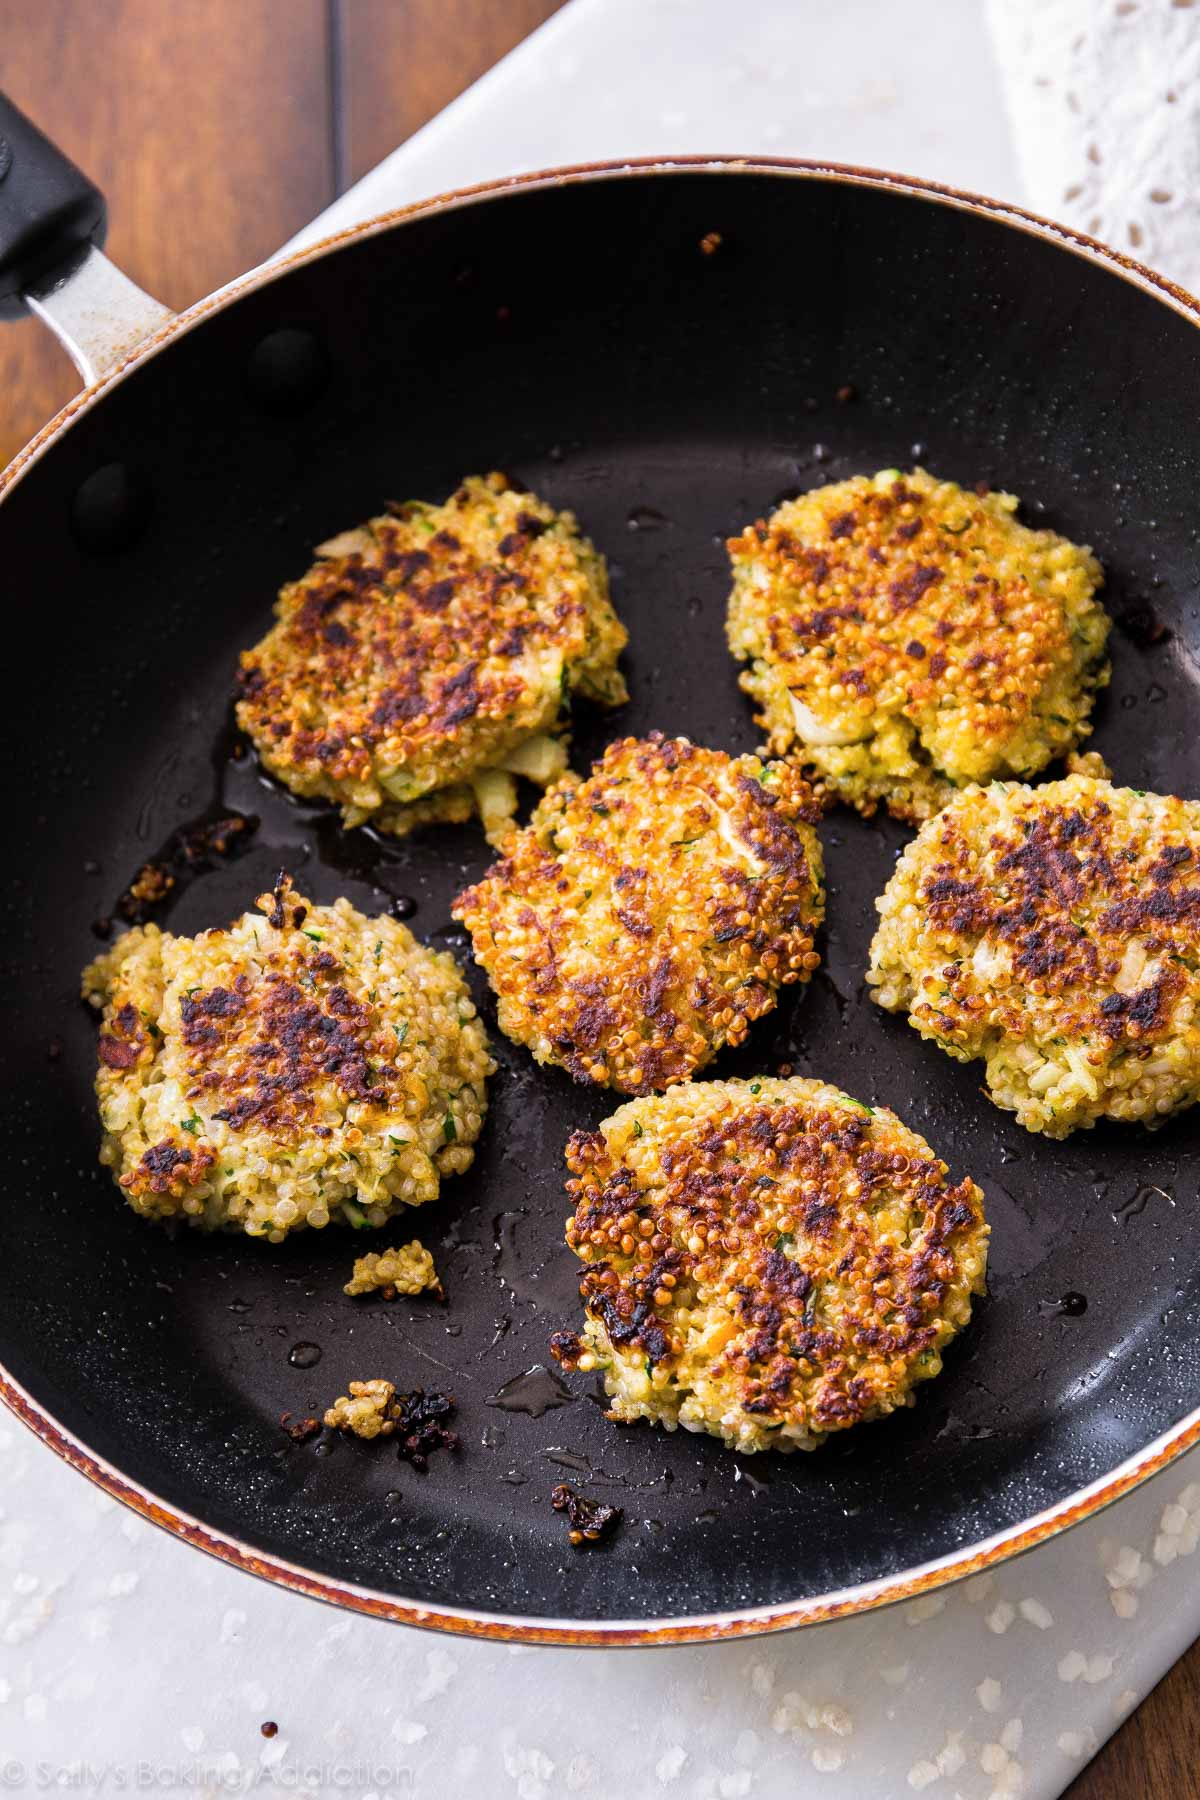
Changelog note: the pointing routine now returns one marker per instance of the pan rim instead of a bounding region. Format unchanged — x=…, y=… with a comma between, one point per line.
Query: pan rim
x=698, y=1628
x=476, y=1622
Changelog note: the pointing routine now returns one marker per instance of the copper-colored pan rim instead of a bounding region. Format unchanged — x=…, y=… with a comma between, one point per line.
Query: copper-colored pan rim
x=707, y=1628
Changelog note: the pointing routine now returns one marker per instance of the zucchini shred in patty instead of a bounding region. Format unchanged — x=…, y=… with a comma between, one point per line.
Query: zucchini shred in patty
x=648, y=915
x=429, y=657
x=767, y=1261
x=1054, y=932
x=906, y=637
x=309, y=1066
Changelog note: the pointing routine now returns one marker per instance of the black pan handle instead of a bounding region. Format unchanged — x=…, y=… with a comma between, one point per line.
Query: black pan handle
x=52, y=222
x=50, y=213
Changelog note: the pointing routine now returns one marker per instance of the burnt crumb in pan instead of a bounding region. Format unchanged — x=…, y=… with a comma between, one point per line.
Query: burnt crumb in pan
x=1141, y=625
x=421, y=1428
x=416, y=1420
x=588, y=1521
x=299, y=1430
x=188, y=851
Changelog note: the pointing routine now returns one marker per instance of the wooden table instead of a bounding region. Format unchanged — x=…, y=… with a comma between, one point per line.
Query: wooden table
x=217, y=128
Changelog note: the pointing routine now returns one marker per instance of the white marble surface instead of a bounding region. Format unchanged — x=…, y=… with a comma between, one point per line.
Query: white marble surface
x=865, y=81
x=128, y=1662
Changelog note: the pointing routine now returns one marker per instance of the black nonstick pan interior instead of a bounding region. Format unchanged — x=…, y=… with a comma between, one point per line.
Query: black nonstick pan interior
x=581, y=338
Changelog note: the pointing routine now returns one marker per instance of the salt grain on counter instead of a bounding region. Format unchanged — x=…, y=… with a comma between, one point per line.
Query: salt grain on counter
x=827, y=1759
x=952, y=1756
x=746, y=1748
x=1126, y=1569
x=1001, y=1617
x=1036, y=1614
x=927, y=1607
x=440, y=1670
x=669, y=1766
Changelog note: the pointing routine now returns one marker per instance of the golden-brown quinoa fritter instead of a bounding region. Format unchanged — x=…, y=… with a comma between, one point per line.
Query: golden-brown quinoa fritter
x=648, y=915
x=306, y=1066
x=429, y=657
x=767, y=1261
x=906, y=637
x=1055, y=933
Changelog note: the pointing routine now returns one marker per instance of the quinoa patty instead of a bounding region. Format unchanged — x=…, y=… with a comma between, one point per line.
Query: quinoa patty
x=767, y=1261
x=906, y=637
x=1054, y=932
x=428, y=657
x=285, y=1071
x=648, y=915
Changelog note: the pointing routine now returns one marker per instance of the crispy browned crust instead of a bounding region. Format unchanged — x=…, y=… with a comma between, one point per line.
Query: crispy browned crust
x=941, y=639
x=819, y=1244
x=265, y=1050
x=426, y=644
x=1063, y=920
x=309, y=1064
x=651, y=913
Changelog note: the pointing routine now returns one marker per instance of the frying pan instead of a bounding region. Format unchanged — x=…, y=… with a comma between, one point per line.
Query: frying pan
x=669, y=350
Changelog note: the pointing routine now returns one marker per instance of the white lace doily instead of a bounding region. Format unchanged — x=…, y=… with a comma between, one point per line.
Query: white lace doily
x=1103, y=97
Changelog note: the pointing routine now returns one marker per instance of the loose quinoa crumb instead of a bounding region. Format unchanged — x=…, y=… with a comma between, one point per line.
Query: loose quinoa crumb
x=407, y=1270
x=366, y=1411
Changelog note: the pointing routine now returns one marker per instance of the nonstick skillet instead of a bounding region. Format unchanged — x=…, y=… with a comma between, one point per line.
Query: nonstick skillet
x=669, y=350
